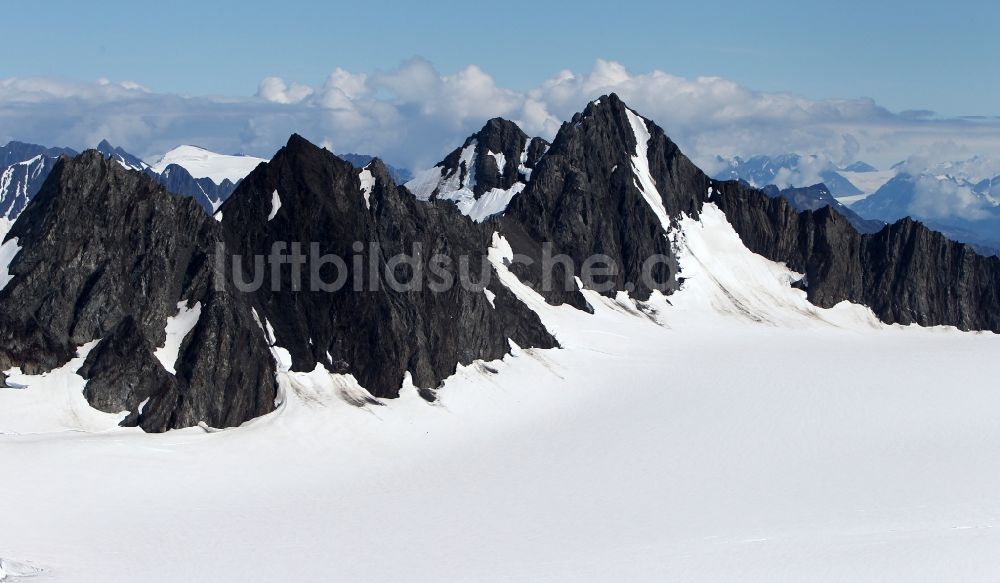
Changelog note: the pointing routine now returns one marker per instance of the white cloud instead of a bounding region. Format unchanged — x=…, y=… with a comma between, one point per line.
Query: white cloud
x=941, y=198
x=414, y=114
x=275, y=90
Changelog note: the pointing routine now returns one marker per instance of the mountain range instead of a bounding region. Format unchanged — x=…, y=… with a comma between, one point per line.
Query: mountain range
x=106, y=272
x=206, y=176
x=959, y=199
x=964, y=209
x=792, y=170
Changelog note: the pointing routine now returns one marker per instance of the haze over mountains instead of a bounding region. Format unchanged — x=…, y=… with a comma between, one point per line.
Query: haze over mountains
x=611, y=183
x=958, y=199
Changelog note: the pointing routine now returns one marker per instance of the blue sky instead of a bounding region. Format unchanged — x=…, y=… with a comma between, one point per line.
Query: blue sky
x=409, y=81
x=905, y=54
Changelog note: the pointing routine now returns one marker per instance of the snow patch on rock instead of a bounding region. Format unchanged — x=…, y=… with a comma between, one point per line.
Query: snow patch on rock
x=275, y=205
x=178, y=327
x=501, y=160
x=8, y=251
x=367, y=184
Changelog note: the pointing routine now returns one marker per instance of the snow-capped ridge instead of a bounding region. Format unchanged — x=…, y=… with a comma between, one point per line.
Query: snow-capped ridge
x=480, y=177
x=203, y=163
x=123, y=158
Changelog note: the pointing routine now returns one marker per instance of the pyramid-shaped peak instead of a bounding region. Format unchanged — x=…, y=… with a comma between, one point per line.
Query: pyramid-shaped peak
x=300, y=152
x=499, y=135
x=607, y=104
x=379, y=171
x=501, y=125
x=297, y=142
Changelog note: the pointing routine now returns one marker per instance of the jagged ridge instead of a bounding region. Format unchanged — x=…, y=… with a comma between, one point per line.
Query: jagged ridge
x=108, y=254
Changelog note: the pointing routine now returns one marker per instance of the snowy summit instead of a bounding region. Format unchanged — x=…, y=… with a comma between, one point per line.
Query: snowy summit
x=202, y=163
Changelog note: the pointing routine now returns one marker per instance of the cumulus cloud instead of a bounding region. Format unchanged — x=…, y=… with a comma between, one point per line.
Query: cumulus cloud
x=936, y=197
x=275, y=90
x=412, y=115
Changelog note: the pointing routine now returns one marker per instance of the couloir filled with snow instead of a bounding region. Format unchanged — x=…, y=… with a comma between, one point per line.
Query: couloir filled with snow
x=730, y=432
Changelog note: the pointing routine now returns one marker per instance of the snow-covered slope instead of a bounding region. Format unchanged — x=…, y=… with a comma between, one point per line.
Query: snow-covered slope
x=20, y=181
x=202, y=163
x=733, y=433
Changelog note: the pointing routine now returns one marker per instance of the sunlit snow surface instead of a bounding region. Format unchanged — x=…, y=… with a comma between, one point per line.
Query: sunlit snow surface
x=177, y=329
x=275, y=206
x=367, y=184
x=736, y=433
x=202, y=163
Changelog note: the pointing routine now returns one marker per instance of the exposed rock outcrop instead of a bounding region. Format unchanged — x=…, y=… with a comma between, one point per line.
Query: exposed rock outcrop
x=104, y=253
x=307, y=195
x=108, y=254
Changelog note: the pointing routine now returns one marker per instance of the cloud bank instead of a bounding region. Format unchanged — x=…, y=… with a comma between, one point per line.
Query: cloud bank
x=414, y=114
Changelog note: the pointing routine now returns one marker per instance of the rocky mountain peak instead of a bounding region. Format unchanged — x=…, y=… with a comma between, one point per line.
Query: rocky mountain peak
x=497, y=161
x=369, y=327
x=108, y=255
x=105, y=254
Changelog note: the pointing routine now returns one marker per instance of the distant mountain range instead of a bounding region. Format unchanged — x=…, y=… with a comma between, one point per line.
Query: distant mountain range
x=791, y=171
x=963, y=210
x=171, y=344
x=955, y=198
x=206, y=176
x=817, y=196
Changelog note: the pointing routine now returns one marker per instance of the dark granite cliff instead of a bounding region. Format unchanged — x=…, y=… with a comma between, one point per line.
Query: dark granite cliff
x=906, y=273
x=499, y=156
x=308, y=195
x=584, y=198
x=108, y=254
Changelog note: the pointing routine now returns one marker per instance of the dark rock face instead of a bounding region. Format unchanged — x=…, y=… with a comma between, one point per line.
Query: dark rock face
x=207, y=193
x=108, y=254
x=123, y=373
x=817, y=196
x=398, y=175
x=496, y=157
x=380, y=333
x=584, y=199
x=906, y=273
x=119, y=155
